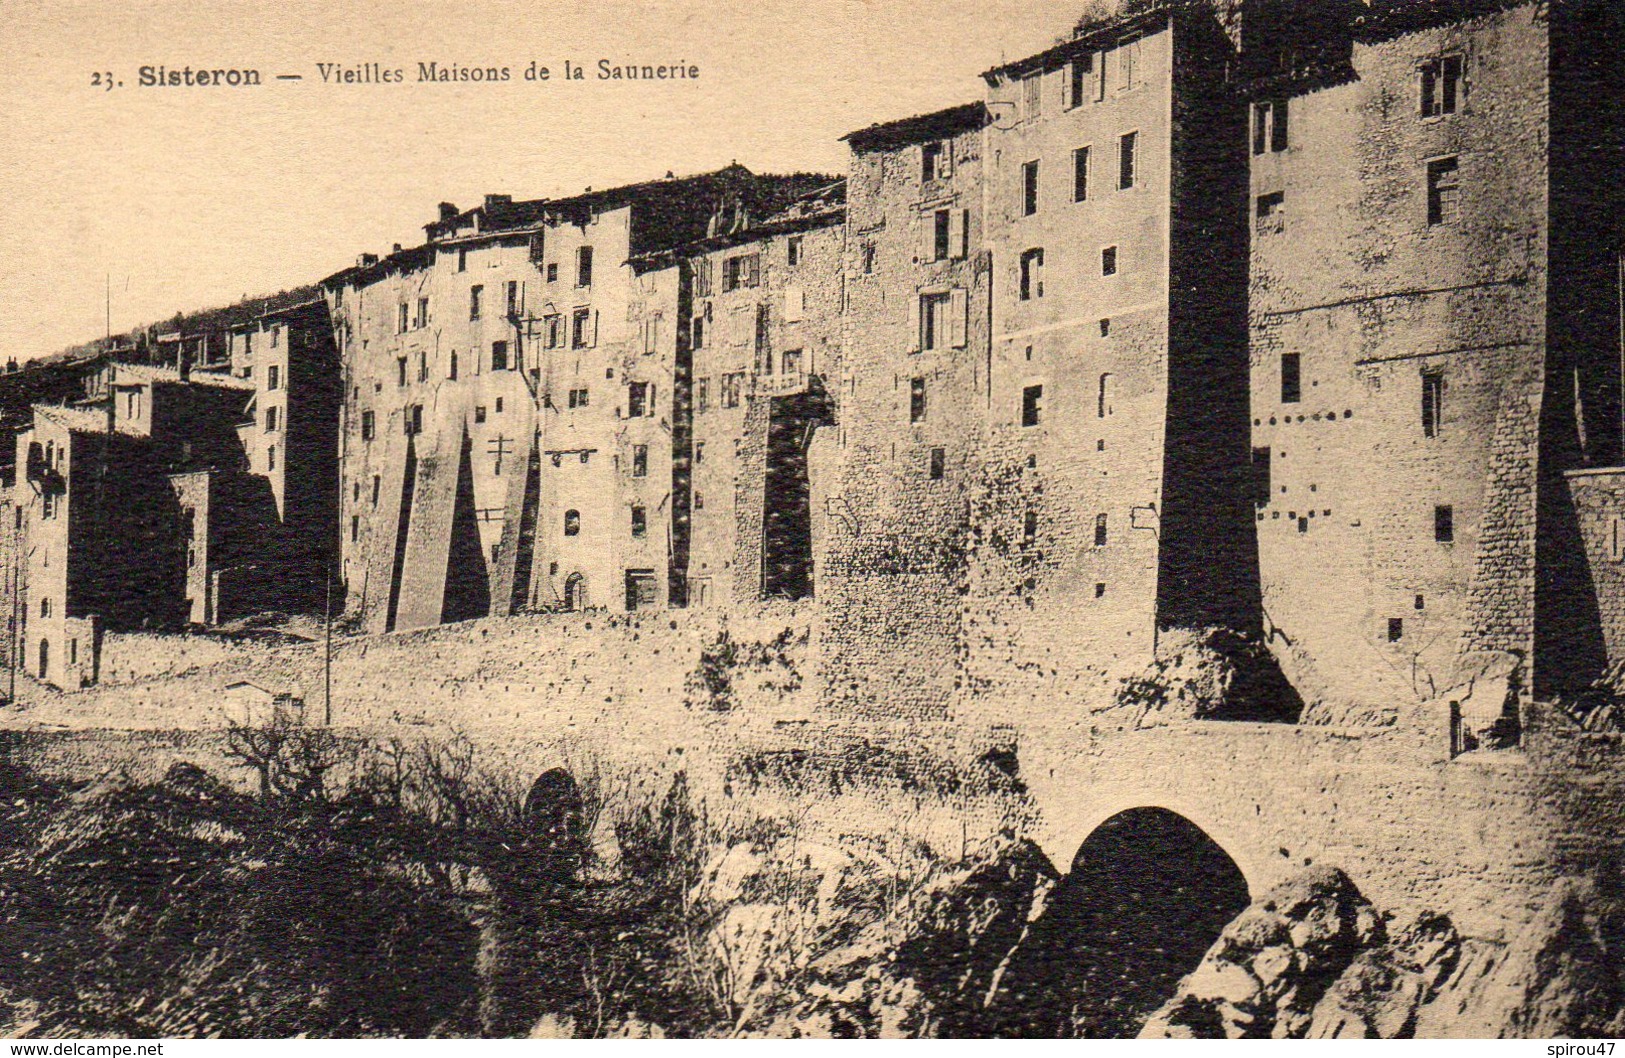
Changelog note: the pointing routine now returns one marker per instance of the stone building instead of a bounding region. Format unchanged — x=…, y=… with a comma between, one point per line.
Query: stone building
x=757, y=346
x=497, y=392
x=147, y=489
x=913, y=393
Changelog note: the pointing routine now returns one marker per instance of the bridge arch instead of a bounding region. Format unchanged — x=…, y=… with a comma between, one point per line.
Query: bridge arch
x=1147, y=893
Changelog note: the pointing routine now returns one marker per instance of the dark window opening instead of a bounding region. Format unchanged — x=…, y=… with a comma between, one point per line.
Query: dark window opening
x=640, y=461
x=1441, y=86
x=1127, y=148
x=1029, y=188
x=1100, y=530
x=499, y=356
x=1432, y=403
x=1108, y=261
x=916, y=400
x=1032, y=405
x=640, y=522
x=939, y=463
x=1444, y=523
x=1080, y=174
x=572, y=523
x=1396, y=629
x=1261, y=477
x=584, y=266
x=1444, y=191
x=1032, y=274
x=1291, y=378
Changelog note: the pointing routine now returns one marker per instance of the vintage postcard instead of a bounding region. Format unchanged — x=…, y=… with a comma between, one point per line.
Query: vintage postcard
x=812, y=518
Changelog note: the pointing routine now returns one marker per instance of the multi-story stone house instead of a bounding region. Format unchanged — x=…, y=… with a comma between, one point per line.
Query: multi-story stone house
x=757, y=346
x=496, y=393
x=913, y=392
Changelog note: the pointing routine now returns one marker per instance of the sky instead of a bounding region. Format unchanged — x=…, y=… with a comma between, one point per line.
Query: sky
x=175, y=199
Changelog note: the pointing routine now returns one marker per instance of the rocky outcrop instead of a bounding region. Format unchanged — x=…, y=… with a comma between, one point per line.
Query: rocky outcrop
x=1272, y=965
x=1313, y=959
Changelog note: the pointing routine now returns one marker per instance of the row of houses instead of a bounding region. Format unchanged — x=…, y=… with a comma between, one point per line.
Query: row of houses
x=1295, y=319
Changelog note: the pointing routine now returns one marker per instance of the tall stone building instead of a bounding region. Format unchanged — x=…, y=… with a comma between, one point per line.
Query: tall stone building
x=500, y=382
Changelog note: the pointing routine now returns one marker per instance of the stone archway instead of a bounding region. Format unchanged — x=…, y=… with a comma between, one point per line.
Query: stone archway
x=1148, y=893
x=575, y=592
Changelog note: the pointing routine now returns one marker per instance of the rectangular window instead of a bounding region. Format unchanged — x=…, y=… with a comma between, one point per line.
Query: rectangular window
x=699, y=452
x=273, y=377
x=939, y=463
x=792, y=251
x=270, y=457
x=462, y=259
x=1032, y=274
x=1441, y=85
x=1080, y=174
x=931, y=158
x=400, y=318
x=423, y=312
x=1100, y=530
x=1291, y=378
x=553, y=272
x=934, y=321
x=1029, y=188
x=270, y=420
x=553, y=330
x=702, y=395
x=1444, y=191
x=1271, y=212
x=474, y=294
x=1032, y=96
x=637, y=400
x=1032, y=405
x=377, y=484
x=764, y=355
x=1127, y=149
x=479, y=414
x=1108, y=261
x=1396, y=629
x=1078, y=79
x=916, y=400
x=355, y=528
x=741, y=271
x=499, y=356
x=1444, y=523
x=790, y=363
x=1432, y=403
x=513, y=298
x=941, y=227
x=423, y=366
x=1261, y=477
x=640, y=522
x=580, y=321
x=698, y=332
x=640, y=461
x=1270, y=126
x=584, y=266
x=368, y=425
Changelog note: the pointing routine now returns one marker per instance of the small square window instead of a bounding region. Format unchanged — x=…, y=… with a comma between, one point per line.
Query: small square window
x=479, y=413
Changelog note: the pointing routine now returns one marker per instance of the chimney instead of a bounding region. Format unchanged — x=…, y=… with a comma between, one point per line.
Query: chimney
x=448, y=211
x=493, y=201
x=366, y=260
x=397, y=248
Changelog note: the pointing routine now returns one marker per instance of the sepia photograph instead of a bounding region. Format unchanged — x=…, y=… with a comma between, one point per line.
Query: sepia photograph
x=832, y=519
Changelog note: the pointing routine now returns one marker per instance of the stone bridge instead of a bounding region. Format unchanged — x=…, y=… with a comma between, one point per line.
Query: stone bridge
x=1480, y=836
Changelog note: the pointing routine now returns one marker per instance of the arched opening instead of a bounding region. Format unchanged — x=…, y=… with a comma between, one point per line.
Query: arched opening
x=555, y=826
x=575, y=592
x=1148, y=893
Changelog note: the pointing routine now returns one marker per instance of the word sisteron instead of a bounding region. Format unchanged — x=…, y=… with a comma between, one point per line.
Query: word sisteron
x=431, y=72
